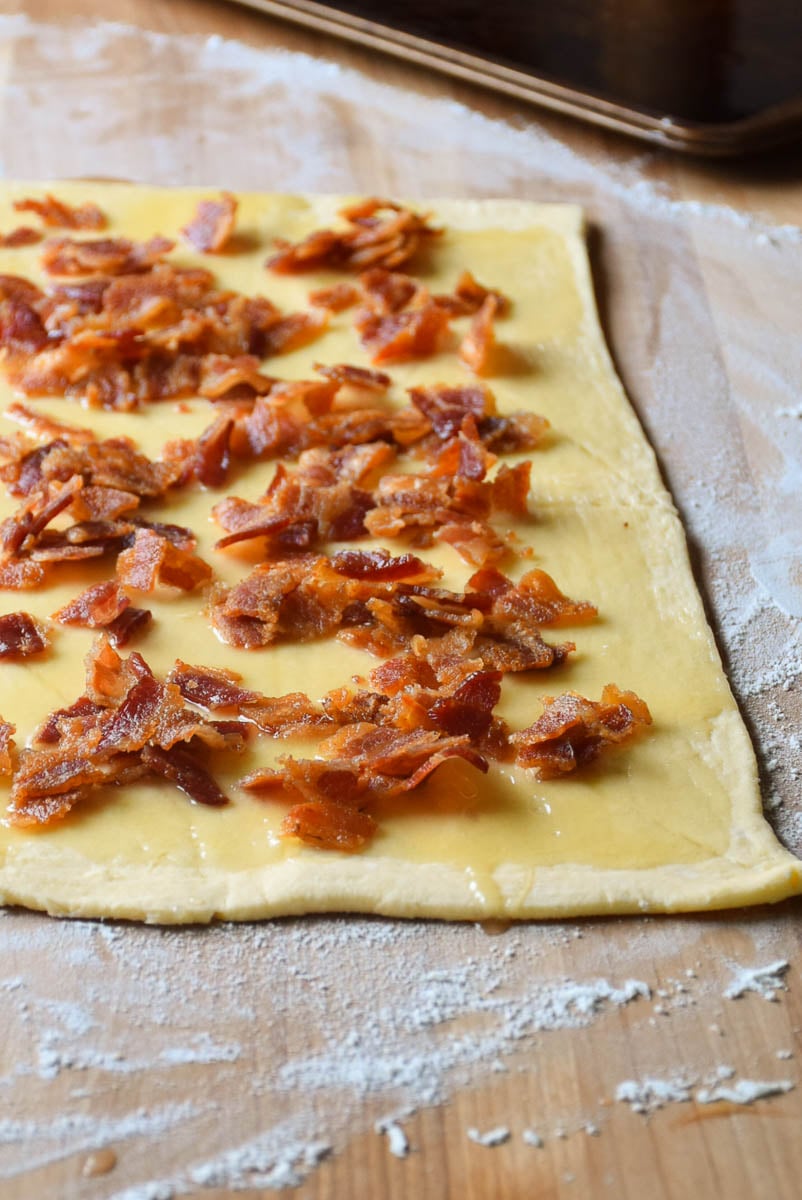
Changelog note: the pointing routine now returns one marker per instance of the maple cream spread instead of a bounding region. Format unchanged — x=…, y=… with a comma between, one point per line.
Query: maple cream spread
x=298, y=496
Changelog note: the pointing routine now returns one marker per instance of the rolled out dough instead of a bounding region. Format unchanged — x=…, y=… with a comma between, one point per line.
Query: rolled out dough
x=672, y=823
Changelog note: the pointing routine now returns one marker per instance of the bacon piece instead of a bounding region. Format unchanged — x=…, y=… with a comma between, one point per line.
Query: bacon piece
x=23, y=235
x=379, y=566
x=378, y=233
x=7, y=747
x=224, y=377
x=294, y=331
x=573, y=731
x=534, y=600
x=468, y=297
x=478, y=345
x=513, y=433
x=58, y=214
x=412, y=334
x=329, y=826
x=43, y=426
x=293, y=714
x=335, y=298
x=102, y=256
x=356, y=377
x=386, y=292
x=96, y=608
x=128, y=624
x=154, y=561
x=21, y=635
x=212, y=225
x=21, y=575
x=447, y=407
x=180, y=767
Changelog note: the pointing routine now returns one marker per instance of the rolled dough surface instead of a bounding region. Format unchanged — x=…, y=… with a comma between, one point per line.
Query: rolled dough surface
x=672, y=823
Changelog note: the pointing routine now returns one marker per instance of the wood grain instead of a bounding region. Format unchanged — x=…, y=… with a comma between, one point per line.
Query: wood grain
x=556, y=1081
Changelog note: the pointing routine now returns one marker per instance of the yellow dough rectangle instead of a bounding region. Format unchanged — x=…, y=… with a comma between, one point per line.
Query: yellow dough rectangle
x=672, y=823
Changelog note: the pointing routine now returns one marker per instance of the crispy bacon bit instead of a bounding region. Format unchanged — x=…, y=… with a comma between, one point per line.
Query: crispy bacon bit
x=103, y=256
x=130, y=622
x=224, y=377
x=378, y=233
x=385, y=292
x=96, y=608
x=21, y=635
x=329, y=826
x=127, y=725
x=335, y=298
x=180, y=767
x=468, y=297
x=415, y=333
x=356, y=377
x=7, y=747
x=358, y=764
x=23, y=235
x=383, y=604
x=293, y=332
x=293, y=714
x=153, y=561
x=447, y=407
x=213, y=224
x=573, y=731
x=21, y=575
x=58, y=214
x=478, y=345
x=43, y=426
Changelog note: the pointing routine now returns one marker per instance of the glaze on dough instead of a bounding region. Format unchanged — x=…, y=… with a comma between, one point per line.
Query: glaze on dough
x=674, y=823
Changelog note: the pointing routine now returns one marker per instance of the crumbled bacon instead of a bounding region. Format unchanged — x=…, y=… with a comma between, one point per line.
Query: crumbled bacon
x=478, y=345
x=153, y=561
x=7, y=747
x=60, y=215
x=335, y=298
x=357, y=765
x=468, y=297
x=447, y=407
x=329, y=825
x=103, y=256
x=573, y=731
x=43, y=426
x=382, y=604
x=213, y=224
x=23, y=235
x=127, y=725
x=414, y=333
x=378, y=233
x=356, y=377
x=130, y=622
x=142, y=330
x=294, y=331
x=227, y=377
x=21, y=635
x=293, y=714
x=20, y=575
x=385, y=292
x=96, y=608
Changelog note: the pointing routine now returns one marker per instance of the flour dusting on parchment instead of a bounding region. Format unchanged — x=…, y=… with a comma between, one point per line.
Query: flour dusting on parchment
x=320, y=1030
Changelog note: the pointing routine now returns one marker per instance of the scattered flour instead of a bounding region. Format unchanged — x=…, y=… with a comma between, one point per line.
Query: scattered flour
x=766, y=981
x=745, y=1091
x=533, y=1138
x=647, y=1095
x=397, y=1140
x=493, y=1137
x=651, y=1093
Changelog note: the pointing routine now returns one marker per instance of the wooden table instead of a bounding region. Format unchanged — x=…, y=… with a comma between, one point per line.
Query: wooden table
x=197, y=1056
